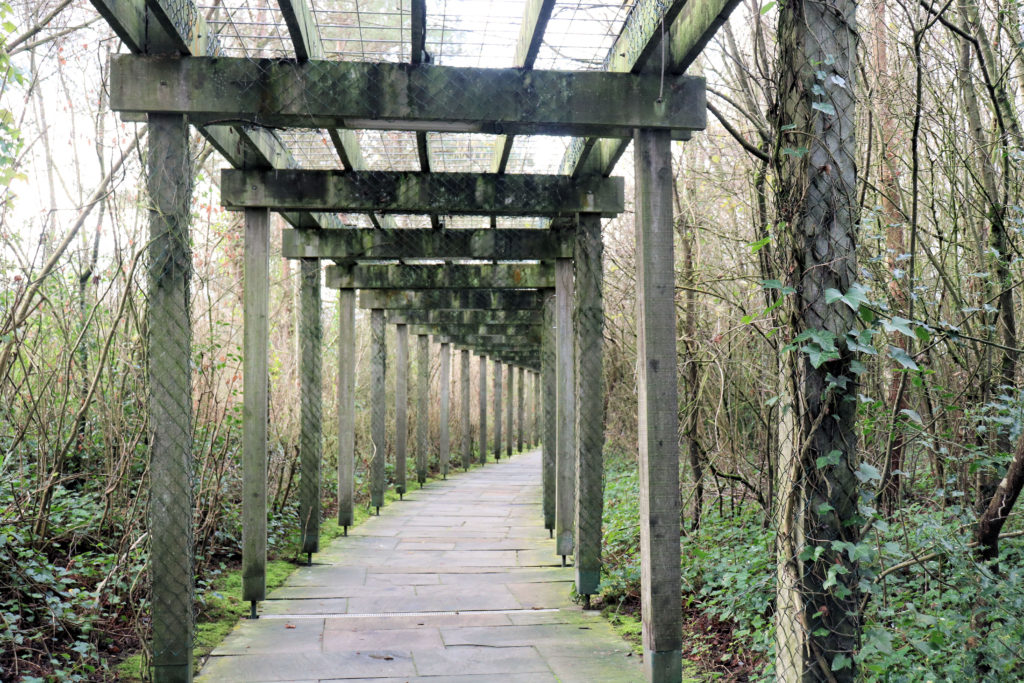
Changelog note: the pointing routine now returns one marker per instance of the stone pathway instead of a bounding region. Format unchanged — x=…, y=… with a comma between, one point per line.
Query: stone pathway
x=457, y=583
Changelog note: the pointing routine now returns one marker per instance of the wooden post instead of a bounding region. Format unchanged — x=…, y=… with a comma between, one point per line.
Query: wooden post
x=423, y=410
x=446, y=388
x=522, y=410
x=310, y=455
x=497, y=410
x=170, y=391
x=378, y=361
x=346, y=407
x=254, y=415
x=589, y=327
x=565, y=418
x=482, y=455
x=536, y=410
x=549, y=428
x=658, y=420
x=467, y=431
x=510, y=388
x=401, y=406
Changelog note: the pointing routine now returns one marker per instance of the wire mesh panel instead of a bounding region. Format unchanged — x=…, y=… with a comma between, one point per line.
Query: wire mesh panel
x=170, y=397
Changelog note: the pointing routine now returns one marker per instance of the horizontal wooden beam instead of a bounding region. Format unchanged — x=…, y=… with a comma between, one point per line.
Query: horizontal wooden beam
x=479, y=299
x=502, y=276
x=366, y=243
x=492, y=341
x=476, y=194
x=392, y=96
x=465, y=317
x=510, y=332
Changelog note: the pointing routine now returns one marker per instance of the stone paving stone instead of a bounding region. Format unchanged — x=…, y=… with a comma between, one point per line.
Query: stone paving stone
x=470, y=659
x=438, y=588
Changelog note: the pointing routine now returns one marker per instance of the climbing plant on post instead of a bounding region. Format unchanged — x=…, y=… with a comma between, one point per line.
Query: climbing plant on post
x=818, y=524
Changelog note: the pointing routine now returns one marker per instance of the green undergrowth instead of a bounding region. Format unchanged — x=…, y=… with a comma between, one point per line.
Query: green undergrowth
x=219, y=607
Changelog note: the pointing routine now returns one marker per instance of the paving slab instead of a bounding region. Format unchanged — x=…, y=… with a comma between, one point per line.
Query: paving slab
x=457, y=583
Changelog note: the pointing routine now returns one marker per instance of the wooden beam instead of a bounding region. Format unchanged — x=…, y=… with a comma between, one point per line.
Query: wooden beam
x=466, y=317
x=136, y=24
x=446, y=389
x=302, y=28
x=355, y=244
x=514, y=334
x=484, y=299
x=482, y=409
x=565, y=411
x=474, y=340
x=474, y=194
x=691, y=24
x=531, y=33
x=401, y=407
x=311, y=407
x=387, y=96
x=441, y=277
x=346, y=407
x=378, y=410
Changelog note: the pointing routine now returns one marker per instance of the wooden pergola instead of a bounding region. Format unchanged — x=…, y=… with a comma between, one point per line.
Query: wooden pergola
x=527, y=296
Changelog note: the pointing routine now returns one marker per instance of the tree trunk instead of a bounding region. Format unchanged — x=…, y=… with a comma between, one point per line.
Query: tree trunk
x=818, y=599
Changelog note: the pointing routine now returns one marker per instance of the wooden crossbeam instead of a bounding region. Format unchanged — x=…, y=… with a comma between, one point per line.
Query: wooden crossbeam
x=531, y=332
x=357, y=244
x=480, y=299
x=512, y=342
x=466, y=317
x=391, y=96
x=415, y=192
x=690, y=25
x=146, y=26
x=502, y=276
x=531, y=33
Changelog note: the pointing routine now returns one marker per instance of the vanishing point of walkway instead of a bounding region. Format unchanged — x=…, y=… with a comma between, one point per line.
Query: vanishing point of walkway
x=457, y=583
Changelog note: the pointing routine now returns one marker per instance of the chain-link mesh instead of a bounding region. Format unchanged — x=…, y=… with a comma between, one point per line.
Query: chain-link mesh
x=170, y=396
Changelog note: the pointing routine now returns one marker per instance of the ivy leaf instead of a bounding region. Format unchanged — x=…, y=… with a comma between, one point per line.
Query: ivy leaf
x=832, y=458
x=759, y=245
x=867, y=473
x=898, y=324
x=913, y=415
x=824, y=108
x=903, y=358
x=768, y=7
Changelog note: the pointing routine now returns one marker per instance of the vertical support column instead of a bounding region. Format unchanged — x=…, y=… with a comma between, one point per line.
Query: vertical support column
x=467, y=429
x=446, y=390
x=423, y=411
x=255, y=332
x=589, y=326
x=310, y=454
x=522, y=409
x=537, y=419
x=401, y=406
x=482, y=456
x=170, y=393
x=549, y=430
x=565, y=417
x=510, y=388
x=497, y=410
x=658, y=421
x=346, y=407
x=378, y=361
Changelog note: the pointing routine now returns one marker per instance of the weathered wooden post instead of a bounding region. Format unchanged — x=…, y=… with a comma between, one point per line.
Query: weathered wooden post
x=378, y=361
x=255, y=380
x=589, y=325
x=422, y=413
x=497, y=410
x=482, y=456
x=537, y=419
x=346, y=407
x=310, y=455
x=656, y=385
x=170, y=391
x=565, y=401
x=510, y=388
x=467, y=430
x=446, y=389
x=522, y=409
x=549, y=430
x=401, y=406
